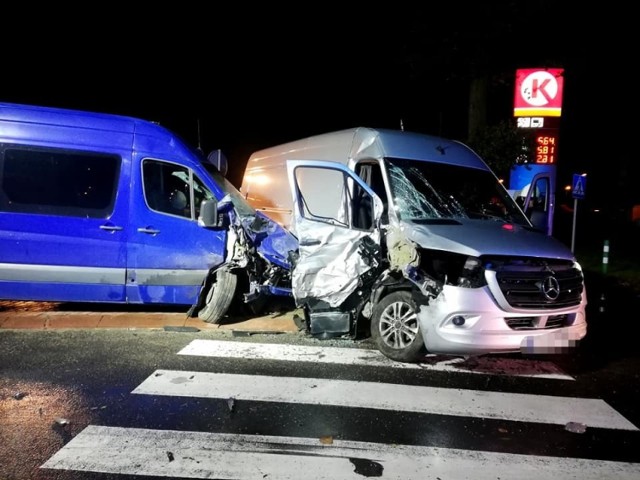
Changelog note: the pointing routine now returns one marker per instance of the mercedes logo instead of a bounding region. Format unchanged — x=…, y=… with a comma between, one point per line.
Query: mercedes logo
x=550, y=288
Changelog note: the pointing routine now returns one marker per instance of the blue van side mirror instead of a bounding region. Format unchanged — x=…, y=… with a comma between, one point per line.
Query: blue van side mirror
x=208, y=214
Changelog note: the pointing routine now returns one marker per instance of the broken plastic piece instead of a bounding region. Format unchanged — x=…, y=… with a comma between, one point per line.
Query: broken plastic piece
x=575, y=427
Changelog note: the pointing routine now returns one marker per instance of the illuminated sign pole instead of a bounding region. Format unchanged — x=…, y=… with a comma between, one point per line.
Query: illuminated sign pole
x=537, y=108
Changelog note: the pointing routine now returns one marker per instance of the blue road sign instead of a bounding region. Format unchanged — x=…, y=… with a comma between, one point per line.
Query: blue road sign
x=579, y=186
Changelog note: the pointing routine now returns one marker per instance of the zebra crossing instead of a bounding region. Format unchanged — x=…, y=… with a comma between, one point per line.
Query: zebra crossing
x=166, y=453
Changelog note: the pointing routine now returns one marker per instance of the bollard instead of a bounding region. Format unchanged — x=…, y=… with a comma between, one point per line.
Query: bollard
x=605, y=256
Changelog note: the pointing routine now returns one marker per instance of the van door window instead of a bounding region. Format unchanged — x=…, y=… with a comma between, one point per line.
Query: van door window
x=371, y=173
x=58, y=182
x=167, y=189
x=538, y=206
x=330, y=196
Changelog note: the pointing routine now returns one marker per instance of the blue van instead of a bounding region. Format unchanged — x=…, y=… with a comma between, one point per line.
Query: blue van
x=105, y=208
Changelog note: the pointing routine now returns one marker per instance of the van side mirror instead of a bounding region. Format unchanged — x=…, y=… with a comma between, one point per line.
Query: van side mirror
x=218, y=160
x=208, y=214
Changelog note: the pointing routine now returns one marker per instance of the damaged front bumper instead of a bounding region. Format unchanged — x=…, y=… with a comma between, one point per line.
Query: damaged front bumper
x=468, y=321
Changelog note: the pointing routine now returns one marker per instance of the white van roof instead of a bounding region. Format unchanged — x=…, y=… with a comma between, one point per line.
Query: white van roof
x=354, y=144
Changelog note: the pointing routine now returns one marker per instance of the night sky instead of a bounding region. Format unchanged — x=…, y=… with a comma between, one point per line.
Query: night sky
x=258, y=76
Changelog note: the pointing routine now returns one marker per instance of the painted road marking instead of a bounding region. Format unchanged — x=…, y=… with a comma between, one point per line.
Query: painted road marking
x=384, y=396
x=357, y=356
x=165, y=453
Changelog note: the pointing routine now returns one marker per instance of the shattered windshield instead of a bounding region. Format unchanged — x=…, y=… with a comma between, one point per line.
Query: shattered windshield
x=424, y=191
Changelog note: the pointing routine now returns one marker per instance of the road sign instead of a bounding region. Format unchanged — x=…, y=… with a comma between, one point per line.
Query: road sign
x=579, y=188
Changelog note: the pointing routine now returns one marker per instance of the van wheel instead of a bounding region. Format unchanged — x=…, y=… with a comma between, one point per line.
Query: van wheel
x=219, y=297
x=395, y=328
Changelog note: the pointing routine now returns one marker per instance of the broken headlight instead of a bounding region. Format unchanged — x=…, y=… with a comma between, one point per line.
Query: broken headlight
x=452, y=268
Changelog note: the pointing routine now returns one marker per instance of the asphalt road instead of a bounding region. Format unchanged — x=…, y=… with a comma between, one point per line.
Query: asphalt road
x=178, y=401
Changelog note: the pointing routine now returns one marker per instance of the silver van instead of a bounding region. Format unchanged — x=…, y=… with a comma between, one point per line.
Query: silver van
x=413, y=239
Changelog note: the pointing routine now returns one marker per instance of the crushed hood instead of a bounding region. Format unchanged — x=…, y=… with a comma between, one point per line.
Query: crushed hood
x=272, y=240
x=485, y=237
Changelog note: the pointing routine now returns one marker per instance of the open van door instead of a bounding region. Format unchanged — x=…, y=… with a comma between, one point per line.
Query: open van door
x=336, y=219
x=540, y=202
x=533, y=188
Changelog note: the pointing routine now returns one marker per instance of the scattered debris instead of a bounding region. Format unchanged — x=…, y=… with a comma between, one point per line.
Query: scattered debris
x=171, y=328
x=299, y=322
x=326, y=440
x=367, y=468
x=19, y=395
x=248, y=333
x=503, y=430
x=170, y=456
x=62, y=421
x=575, y=427
x=231, y=403
x=471, y=361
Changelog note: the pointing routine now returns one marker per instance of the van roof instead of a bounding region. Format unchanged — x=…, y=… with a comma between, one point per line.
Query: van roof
x=354, y=144
x=63, y=116
x=99, y=128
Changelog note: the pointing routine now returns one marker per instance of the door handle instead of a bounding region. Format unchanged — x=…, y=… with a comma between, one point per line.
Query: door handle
x=110, y=228
x=310, y=243
x=150, y=231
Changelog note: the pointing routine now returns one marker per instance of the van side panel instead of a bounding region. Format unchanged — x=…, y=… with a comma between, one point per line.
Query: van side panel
x=56, y=242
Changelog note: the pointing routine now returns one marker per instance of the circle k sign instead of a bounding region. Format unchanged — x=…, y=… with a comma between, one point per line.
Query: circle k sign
x=538, y=92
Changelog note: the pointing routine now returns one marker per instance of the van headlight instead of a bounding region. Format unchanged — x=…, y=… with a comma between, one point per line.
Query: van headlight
x=472, y=274
x=453, y=268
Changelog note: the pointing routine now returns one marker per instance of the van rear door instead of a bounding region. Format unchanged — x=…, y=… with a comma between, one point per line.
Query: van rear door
x=336, y=218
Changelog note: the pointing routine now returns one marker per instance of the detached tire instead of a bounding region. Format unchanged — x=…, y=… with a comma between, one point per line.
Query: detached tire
x=219, y=297
x=395, y=328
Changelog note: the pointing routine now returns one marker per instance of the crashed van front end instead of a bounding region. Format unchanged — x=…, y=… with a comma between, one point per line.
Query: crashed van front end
x=456, y=268
x=485, y=281
x=256, y=267
x=499, y=303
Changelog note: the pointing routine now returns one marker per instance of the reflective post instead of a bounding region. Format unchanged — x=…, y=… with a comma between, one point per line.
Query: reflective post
x=573, y=229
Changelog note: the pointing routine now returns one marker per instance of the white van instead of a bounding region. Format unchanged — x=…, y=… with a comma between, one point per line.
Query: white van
x=415, y=237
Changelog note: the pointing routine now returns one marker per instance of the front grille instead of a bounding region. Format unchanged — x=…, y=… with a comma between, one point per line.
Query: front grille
x=521, y=281
x=536, y=323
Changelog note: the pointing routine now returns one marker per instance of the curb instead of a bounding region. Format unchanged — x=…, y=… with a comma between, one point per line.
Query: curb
x=52, y=320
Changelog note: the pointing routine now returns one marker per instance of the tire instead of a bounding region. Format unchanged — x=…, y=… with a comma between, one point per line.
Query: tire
x=395, y=328
x=219, y=297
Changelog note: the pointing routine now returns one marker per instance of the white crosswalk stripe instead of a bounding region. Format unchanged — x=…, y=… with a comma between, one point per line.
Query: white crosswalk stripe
x=210, y=455
x=385, y=396
x=372, y=358
x=190, y=454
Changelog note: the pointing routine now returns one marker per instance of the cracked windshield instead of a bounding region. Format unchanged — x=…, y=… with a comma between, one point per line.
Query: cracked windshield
x=423, y=192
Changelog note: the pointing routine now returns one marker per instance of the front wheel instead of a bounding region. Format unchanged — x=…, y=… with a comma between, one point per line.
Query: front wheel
x=219, y=297
x=395, y=328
